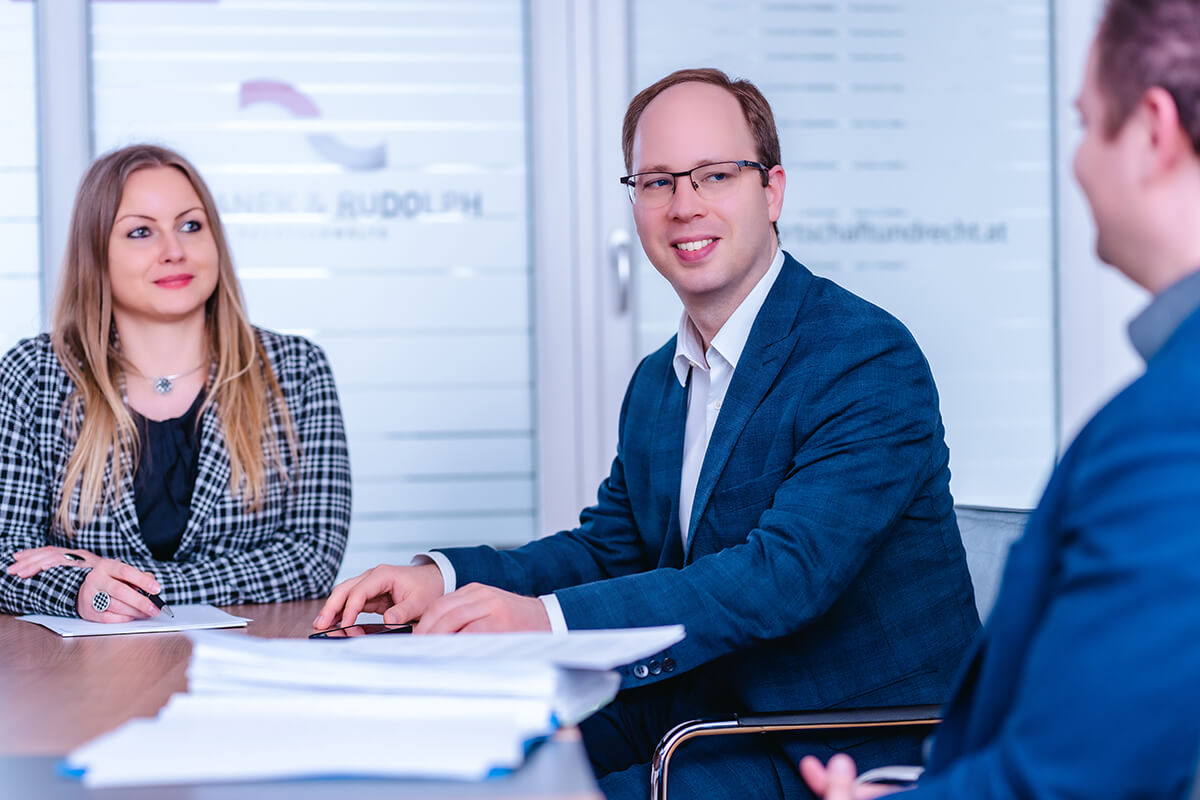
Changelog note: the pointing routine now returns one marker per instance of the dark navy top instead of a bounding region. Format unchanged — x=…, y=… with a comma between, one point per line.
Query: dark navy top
x=165, y=476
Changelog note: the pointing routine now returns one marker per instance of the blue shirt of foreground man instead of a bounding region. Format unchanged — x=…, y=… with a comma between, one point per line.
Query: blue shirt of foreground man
x=1085, y=683
x=780, y=485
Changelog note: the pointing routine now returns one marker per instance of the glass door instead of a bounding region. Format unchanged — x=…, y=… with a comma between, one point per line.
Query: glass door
x=369, y=161
x=20, y=280
x=917, y=141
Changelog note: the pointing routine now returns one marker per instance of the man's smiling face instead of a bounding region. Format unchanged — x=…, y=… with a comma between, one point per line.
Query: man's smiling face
x=712, y=253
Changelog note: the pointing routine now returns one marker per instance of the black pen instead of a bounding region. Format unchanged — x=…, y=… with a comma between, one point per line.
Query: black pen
x=159, y=603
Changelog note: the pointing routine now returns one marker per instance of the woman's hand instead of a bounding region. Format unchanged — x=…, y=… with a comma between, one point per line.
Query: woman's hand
x=27, y=563
x=110, y=592
x=116, y=582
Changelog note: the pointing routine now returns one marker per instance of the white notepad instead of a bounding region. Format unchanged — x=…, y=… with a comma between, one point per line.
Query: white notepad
x=187, y=618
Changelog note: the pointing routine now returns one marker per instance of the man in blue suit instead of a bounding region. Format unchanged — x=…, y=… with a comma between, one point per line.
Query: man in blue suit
x=781, y=485
x=1086, y=681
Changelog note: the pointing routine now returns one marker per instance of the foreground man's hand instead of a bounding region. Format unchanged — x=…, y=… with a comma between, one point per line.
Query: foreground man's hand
x=836, y=781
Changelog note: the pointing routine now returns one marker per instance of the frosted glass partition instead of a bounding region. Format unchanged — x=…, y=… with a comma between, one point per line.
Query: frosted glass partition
x=918, y=147
x=369, y=160
x=20, y=279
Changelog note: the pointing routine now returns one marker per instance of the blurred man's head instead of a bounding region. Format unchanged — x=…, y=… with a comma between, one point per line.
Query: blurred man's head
x=1139, y=160
x=1146, y=43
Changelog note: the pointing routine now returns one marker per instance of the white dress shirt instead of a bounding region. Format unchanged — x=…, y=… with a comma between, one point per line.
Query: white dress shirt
x=711, y=371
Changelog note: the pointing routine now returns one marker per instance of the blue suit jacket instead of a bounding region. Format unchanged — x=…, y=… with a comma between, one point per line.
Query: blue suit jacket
x=824, y=566
x=1086, y=682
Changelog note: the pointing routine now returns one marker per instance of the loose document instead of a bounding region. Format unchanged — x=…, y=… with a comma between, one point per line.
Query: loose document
x=187, y=618
x=461, y=707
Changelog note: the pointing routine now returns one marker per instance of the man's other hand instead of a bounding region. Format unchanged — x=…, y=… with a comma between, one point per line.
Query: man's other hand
x=401, y=594
x=476, y=608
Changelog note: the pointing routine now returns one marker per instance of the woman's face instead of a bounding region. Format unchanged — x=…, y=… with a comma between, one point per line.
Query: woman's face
x=162, y=257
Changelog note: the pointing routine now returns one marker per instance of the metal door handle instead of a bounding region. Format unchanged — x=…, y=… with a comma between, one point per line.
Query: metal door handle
x=618, y=256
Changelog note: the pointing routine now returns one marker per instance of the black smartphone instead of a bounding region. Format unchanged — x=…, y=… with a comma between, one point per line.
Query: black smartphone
x=364, y=629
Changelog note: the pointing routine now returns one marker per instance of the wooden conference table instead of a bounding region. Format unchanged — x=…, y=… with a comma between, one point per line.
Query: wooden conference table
x=57, y=693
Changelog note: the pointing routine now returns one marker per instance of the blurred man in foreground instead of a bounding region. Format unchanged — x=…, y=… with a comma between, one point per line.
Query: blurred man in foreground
x=1084, y=683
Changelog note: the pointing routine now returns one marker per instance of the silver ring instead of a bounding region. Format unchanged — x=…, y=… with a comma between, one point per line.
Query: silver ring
x=100, y=601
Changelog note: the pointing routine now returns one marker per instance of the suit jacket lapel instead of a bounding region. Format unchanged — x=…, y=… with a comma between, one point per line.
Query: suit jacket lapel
x=124, y=511
x=212, y=476
x=771, y=340
x=666, y=461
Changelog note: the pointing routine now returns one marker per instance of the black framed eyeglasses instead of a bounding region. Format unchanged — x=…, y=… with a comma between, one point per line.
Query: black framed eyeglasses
x=711, y=182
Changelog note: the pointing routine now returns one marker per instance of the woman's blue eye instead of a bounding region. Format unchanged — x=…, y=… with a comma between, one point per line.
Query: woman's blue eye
x=191, y=226
x=139, y=233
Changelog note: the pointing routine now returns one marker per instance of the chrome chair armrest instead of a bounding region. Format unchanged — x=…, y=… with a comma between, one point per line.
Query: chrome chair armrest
x=781, y=721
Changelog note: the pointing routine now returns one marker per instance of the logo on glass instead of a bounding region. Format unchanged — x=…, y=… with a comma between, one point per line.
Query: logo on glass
x=326, y=145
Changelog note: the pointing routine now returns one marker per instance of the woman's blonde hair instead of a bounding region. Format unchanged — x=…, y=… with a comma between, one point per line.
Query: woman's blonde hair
x=244, y=388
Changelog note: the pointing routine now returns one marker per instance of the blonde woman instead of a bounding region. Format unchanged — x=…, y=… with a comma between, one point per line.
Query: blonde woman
x=155, y=443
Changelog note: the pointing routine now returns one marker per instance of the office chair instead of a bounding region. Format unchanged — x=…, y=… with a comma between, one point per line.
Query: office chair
x=987, y=535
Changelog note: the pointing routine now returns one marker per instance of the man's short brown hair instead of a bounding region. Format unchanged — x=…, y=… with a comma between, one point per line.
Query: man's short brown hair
x=754, y=106
x=1146, y=43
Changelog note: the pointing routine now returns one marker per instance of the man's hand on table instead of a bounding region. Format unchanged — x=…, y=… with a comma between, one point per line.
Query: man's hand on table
x=404, y=594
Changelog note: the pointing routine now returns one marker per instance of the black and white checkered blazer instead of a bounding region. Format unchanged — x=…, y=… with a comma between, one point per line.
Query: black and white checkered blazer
x=291, y=547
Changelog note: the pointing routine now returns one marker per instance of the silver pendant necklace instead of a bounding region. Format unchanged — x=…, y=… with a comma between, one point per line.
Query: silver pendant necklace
x=163, y=384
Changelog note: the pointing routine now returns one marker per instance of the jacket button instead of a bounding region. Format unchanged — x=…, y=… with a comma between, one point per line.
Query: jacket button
x=668, y=665
x=640, y=671
x=655, y=668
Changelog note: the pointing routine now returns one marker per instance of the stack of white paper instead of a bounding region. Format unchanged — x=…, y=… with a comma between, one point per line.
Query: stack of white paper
x=462, y=707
